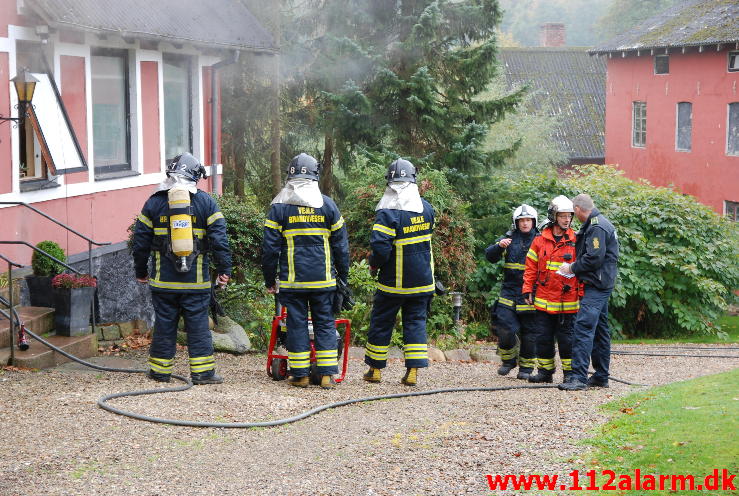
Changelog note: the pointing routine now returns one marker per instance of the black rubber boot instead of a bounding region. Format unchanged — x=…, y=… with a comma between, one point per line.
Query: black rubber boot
x=506, y=367
x=159, y=377
x=566, y=376
x=593, y=382
x=210, y=377
x=524, y=374
x=542, y=376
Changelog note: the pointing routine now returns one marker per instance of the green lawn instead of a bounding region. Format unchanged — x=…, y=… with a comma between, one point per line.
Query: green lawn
x=729, y=325
x=689, y=427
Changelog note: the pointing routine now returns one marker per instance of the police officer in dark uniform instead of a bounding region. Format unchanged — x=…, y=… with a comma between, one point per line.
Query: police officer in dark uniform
x=512, y=316
x=596, y=267
x=401, y=250
x=305, y=234
x=180, y=285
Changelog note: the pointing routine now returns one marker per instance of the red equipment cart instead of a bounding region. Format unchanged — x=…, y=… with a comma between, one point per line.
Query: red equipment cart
x=277, y=367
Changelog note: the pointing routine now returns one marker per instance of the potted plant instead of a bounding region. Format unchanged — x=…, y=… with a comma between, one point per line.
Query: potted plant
x=39, y=284
x=73, y=296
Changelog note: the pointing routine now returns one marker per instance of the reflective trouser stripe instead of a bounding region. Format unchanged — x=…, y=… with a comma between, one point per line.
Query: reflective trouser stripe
x=419, y=351
x=161, y=365
x=527, y=363
x=546, y=363
x=298, y=360
x=509, y=354
x=566, y=363
x=376, y=352
x=202, y=364
x=327, y=358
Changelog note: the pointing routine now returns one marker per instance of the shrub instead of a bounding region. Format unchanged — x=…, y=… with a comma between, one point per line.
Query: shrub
x=43, y=266
x=71, y=281
x=245, y=225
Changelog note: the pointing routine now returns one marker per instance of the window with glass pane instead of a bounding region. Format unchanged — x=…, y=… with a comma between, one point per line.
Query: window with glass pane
x=177, y=106
x=684, y=133
x=662, y=64
x=733, y=61
x=110, y=116
x=639, y=134
x=29, y=55
x=732, y=132
x=732, y=210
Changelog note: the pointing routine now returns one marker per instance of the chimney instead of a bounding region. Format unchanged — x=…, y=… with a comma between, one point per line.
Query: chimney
x=552, y=34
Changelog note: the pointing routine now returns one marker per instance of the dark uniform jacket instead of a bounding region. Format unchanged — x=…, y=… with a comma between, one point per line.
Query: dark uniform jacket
x=597, y=252
x=513, y=268
x=308, y=243
x=401, y=250
x=151, y=234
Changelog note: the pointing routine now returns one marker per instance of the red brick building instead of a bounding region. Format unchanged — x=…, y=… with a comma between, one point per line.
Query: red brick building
x=672, y=102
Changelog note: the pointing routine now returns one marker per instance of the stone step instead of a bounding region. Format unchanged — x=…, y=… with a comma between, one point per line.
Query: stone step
x=39, y=356
x=38, y=320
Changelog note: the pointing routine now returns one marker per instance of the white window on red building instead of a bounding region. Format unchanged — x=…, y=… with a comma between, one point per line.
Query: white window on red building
x=639, y=124
x=177, y=73
x=734, y=61
x=732, y=210
x=684, y=127
x=732, y=130
x=111, y=128
x=662, y=64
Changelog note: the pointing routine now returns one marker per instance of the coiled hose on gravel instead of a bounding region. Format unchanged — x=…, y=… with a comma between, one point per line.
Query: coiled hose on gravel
x=103, y=402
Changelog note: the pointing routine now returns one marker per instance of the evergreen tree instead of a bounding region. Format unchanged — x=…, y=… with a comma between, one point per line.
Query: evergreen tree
x=401, y=78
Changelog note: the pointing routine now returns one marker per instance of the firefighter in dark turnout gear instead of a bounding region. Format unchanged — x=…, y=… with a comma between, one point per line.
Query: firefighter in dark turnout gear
x=596, y=267
x=512, y=315
x=304, y=234
x=180, y=281
x=553, y=294
x=401, y=251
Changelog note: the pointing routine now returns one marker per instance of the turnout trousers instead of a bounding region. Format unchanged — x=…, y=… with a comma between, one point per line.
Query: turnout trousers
x=547, y=328
x=591, y=337
x=320, y=304
x=193, y=307
x=515, y=336
x=382, y=320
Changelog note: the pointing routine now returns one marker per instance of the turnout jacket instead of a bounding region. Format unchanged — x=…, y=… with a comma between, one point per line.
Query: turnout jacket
x=513, y=268
x=151, y=237
x=309, y=244
x=597, y=252
x=401, y=250
x=553, y=293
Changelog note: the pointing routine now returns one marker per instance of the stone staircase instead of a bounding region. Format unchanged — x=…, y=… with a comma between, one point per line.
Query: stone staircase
x=40, y=321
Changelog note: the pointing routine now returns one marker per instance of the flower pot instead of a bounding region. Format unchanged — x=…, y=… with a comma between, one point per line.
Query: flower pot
x=39, y=290
x=72, y=310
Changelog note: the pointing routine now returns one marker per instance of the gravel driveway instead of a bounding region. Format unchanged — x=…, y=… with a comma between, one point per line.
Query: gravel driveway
x=58, y=442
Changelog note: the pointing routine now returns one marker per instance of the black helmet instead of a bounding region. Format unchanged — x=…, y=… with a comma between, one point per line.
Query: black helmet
x=303, y=166
x=401, y=170
x=187, y=166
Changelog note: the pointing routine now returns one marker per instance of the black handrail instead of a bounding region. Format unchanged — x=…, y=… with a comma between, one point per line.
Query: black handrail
x=39, y=250
x=11, y=307
x=90, y=242
x=55, y=221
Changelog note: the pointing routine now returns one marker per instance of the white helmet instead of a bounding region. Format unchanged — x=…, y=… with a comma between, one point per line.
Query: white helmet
x=558, y=205
x=524, y=212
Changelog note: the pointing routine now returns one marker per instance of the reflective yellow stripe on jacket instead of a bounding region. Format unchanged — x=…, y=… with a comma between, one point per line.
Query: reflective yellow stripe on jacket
x=556, y=306
x=399, y=244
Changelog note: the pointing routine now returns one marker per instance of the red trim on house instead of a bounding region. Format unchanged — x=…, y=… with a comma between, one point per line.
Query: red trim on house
x=150, y=116
x=9, y=15
x=74, y=95
x=702, y=79
x=6, y=171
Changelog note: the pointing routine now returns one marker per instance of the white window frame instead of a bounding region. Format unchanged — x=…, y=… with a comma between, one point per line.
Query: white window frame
x=677, y=128
x=633, y=124
x=735, y=153
x=735, y=55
